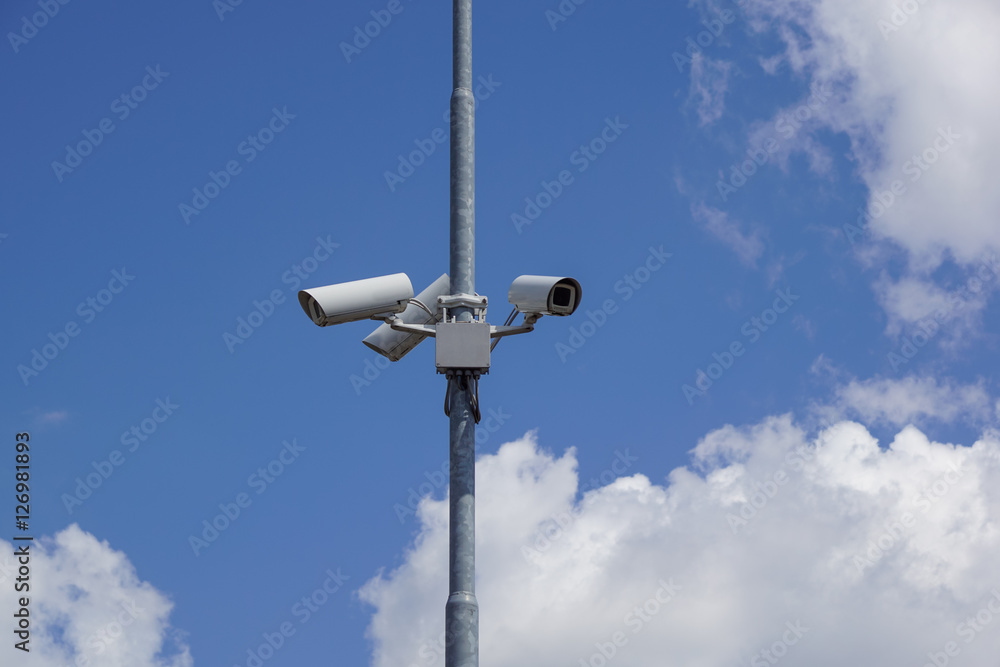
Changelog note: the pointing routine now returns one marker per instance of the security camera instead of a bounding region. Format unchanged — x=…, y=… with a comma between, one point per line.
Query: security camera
x=357, y=300
x=394, y=344
x=545, y=295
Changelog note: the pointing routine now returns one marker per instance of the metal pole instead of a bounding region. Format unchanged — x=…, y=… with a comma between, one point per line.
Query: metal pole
x=462, y=609
x=463, y=160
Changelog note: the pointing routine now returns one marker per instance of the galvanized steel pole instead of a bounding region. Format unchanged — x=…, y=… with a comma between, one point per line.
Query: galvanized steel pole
x=462, y=609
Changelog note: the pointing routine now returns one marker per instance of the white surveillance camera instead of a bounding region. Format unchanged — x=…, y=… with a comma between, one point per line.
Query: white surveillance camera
x=545, y=295
x=394, y=344
x=357, y=300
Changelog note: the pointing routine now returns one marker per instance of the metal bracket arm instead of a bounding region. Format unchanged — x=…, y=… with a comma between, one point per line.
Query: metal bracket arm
x=398, y=325
x=526, y=326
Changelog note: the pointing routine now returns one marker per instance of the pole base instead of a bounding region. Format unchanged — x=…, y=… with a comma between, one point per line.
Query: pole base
x=461, y=633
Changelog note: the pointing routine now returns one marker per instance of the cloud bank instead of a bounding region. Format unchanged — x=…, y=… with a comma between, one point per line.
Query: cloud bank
x=89, y=608
x=914, y=100
x=910, y=85
x=772, y=545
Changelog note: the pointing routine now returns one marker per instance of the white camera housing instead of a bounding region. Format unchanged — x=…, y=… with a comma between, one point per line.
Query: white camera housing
x=545, y=295
x=357, y=300
x=394, y=345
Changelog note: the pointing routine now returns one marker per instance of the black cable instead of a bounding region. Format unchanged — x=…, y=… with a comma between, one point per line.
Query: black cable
x=474, y=398
x=472, y=387
x=447, y=398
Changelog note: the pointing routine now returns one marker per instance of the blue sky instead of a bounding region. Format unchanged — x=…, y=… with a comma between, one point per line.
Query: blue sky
x=174, y=174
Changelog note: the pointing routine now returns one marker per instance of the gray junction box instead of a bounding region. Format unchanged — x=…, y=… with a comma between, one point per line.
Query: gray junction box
x=462, y=346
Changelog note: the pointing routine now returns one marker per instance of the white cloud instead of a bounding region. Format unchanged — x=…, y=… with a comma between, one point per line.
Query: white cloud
x=791, y=131
x=918, y=303
x=805, y=325
x=748, y=247
x=87, y=600
x=823, y=366
x=709, y=85
x=53, y=417
x=46, y=418
x=907, y=81
x=771, y=530
x=909, y=300
x=912, y=399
